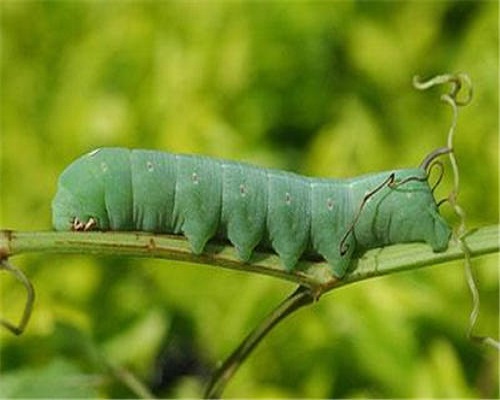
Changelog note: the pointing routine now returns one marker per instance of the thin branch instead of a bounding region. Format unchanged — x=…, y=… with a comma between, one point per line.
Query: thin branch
x=405, y=257
x=315, y=275
x=170, y=247
x=30, y=298
x=301, y=297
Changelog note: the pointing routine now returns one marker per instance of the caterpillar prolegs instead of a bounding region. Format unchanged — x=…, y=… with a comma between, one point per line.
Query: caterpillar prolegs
x=203, y=197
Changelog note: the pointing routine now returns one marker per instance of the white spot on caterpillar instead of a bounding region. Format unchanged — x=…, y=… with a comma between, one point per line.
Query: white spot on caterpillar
x=104, y=166
x=329, y=204
x=243, y=190
x=288, y=198
x=195, y=178
x=150, y=166
x=94, y=152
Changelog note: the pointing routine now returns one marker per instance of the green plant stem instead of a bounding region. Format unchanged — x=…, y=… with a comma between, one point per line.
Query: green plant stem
x=301, y=297
x=314, y=275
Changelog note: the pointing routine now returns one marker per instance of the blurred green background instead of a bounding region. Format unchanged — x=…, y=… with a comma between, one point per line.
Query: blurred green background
x=320, y=88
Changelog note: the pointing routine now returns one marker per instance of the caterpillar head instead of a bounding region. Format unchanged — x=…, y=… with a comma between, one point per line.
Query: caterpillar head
x=79, y=201
x=69, y=214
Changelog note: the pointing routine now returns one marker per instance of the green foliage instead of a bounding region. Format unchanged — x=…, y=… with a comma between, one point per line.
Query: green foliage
x=320, y=88
x=57, y=379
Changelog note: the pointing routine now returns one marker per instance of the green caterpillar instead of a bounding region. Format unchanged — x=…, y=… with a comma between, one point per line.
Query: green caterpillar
x=202, y=197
